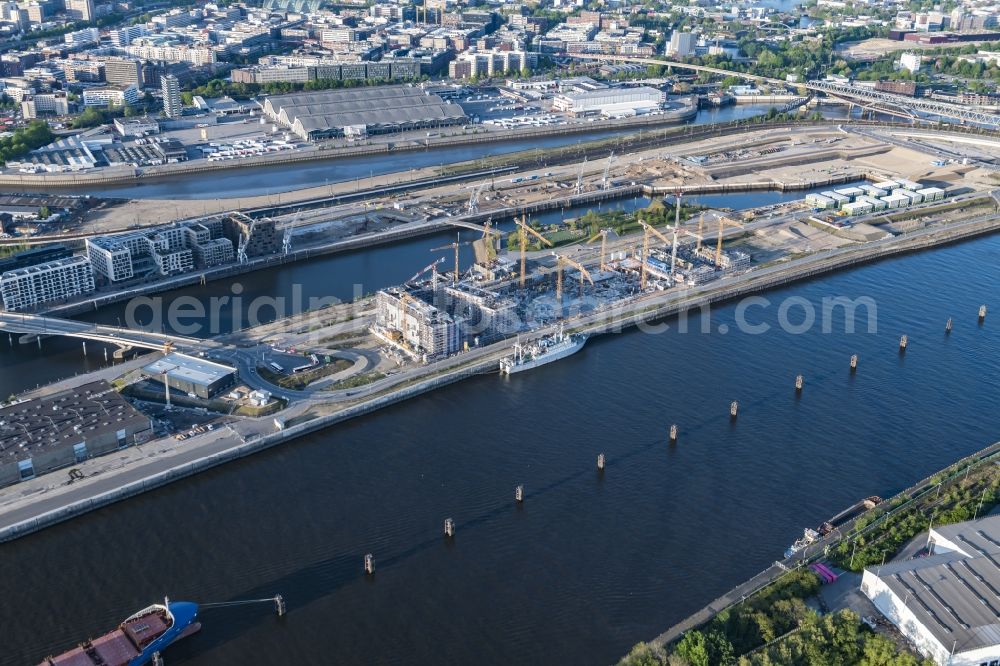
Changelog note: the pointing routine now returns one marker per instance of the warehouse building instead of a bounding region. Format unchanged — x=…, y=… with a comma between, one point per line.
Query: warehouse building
x=382, y=110
x=65, y=428
x=51, y=282
x=610, y=101
x=191, y=376
x=947, y=603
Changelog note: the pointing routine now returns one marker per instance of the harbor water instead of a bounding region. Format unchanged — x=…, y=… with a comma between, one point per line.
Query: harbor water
x=287, y=177
x=590, y=563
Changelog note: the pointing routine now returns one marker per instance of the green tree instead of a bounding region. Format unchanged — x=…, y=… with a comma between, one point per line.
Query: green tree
x=643, y=654
x=91, y=117
x=694, y=648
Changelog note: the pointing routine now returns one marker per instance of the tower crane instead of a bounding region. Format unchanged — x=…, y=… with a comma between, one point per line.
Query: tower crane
x=648, y=230
x=523, y=231
x=430, y=267
x=723, y=222
x=605, y=184
x=584, y=273
x=603, y=234
x=579, y=176
x=488, y=242
x=453, y=246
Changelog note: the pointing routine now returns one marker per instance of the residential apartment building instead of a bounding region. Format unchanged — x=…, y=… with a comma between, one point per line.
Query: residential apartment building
x=80, y=10
x=165, y=251
x=112, y=96
x=681, y=44
x=123, y=72
x=171, y=87
x=81, y=38
x=196, y=55
x=55, y=103
x=27, y=288
x=125, y=36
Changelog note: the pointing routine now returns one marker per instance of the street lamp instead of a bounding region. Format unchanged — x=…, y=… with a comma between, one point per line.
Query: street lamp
x=981, y=498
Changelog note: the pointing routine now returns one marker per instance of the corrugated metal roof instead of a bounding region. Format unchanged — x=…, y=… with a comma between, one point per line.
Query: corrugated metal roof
x=955, y=596
x=372, y=107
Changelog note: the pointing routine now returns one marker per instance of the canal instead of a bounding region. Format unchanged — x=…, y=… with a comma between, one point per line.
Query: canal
x=286, y=177
x=590, y=563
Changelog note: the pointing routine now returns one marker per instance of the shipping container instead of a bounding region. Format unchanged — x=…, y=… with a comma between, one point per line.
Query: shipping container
x=931, y=193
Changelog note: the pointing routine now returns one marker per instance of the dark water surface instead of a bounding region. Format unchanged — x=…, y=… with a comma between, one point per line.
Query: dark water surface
x=590, y=564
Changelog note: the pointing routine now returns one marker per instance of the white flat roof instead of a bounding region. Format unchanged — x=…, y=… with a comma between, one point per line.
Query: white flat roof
x=189, y=369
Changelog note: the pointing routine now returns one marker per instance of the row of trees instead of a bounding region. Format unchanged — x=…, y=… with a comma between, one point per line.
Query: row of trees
x=590, y=223
x=976, y=496
x=777, y=627
x=220, y=87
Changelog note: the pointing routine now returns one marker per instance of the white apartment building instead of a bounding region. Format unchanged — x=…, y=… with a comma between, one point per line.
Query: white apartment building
x=26, y=288
x=910, y=62
x=125, y=36
x=40, y=103
x=196, y=55
x=110, y=258
x=110, y=96
x=85, y=37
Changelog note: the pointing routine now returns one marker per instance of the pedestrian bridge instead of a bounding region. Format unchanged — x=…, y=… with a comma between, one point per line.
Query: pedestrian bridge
x=29, y=324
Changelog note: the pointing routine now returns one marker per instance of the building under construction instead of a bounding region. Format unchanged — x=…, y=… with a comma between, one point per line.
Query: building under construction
x=434, y=321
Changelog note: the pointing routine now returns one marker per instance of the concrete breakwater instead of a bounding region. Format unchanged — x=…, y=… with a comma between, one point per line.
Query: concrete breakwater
x=629, y=314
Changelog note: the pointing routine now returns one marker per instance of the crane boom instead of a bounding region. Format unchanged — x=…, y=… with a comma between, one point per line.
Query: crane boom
x=603, y=234
x=723, y=222
x=584, y=273
x=523, y=230
x=426, y=268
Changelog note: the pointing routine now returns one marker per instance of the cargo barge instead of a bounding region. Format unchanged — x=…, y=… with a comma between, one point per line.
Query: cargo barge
x=845, y=516
x=137, y=639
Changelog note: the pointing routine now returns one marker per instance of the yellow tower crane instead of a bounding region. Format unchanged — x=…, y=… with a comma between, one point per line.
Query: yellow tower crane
x=647, y=230
x=488, y=240
x=603, y=235
x=524, y=230
x=584, y=273
x=457, y=243
x=723, y=222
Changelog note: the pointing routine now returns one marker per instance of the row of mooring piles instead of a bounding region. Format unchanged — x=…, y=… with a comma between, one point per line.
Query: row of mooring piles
x=734, y=409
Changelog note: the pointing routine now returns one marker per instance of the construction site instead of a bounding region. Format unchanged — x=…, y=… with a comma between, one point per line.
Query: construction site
x=436, y=314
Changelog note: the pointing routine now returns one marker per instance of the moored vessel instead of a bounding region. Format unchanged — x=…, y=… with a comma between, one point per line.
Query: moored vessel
x=137, y=638
x=848, y=514
x=544, y=350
